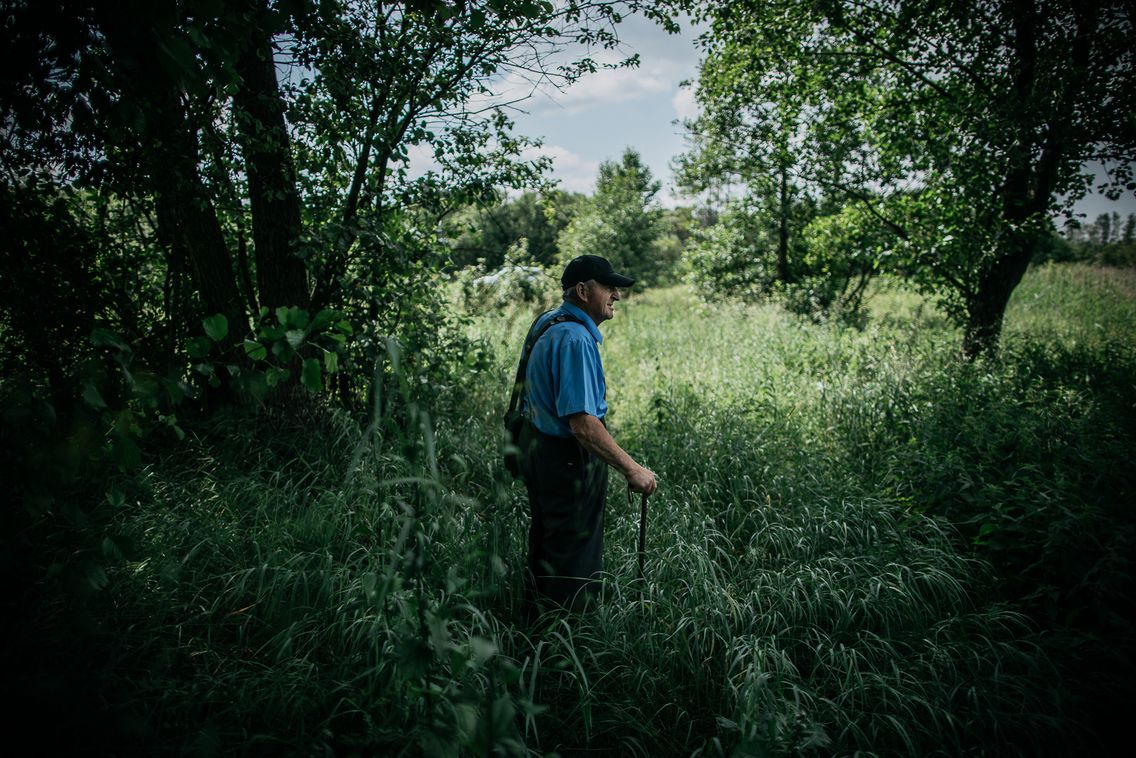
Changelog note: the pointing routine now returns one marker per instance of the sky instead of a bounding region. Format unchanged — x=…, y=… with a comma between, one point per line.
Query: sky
x=603, y=113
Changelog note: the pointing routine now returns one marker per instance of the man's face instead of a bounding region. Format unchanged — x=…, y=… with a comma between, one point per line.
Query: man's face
x=598, y=300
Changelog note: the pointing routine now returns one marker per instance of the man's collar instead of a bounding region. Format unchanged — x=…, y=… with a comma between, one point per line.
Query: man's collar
x=578, y=312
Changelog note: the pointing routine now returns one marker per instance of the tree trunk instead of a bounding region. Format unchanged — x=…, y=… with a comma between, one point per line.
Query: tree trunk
x=186, y=217
x=1022, y=194
x=281, y=277
x=986, y=307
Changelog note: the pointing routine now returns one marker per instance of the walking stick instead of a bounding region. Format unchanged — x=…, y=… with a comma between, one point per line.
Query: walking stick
x=642, y=531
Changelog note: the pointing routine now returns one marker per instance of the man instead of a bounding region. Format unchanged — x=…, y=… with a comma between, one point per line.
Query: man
x=567, y=442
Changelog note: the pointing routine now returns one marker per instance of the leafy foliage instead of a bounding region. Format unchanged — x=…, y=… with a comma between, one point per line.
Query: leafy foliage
x=485, y=237
x=957, y=128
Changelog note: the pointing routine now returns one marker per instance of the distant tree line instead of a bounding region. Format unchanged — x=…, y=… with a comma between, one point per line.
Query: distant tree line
x=621, y=221
x=1109, y=240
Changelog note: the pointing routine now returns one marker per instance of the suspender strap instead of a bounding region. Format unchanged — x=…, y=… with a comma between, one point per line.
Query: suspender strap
x=530, y=342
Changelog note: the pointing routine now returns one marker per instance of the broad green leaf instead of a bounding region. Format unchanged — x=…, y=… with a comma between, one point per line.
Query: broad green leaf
x=107, y=338
x=283, y=351
x=255, y=383
x=331, y=361
x=92, y=396
x=216, y=326
x=295, y=337
x=273, y=376
x=255, y=350
x=323, y=319
x=95, y=576
x=312, y=375
x=292, y=318
x=198, y=347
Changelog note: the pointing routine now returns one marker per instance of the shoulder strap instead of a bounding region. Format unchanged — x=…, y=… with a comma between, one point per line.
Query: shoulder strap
x=530, y=342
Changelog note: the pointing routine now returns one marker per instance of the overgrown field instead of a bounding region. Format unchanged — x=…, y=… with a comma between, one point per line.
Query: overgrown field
x=860, y=544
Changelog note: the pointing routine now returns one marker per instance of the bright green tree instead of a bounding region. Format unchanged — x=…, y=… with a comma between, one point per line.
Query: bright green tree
x=957, y=127
x=485, y=234
x=623, y=222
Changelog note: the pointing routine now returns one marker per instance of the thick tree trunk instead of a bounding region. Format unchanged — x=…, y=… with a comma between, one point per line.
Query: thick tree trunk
x=281, y=276
x=1022, y=197
x=986, y=307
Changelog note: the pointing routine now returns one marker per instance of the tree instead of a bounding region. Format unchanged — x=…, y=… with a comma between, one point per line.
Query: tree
x=485, y=234
x=622, y=222
x=959, y=127
x=261, y=147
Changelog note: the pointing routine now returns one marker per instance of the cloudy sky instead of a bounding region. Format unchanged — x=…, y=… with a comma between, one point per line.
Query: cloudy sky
x=604, y=113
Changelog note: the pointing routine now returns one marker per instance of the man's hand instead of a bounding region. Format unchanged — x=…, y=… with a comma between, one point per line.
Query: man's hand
x=642, y=480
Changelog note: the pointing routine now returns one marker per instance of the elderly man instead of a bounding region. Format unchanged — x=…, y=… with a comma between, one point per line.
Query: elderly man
x=567, y=442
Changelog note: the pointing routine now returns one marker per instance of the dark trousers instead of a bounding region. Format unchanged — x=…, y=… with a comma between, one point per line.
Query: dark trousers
x=567, y=488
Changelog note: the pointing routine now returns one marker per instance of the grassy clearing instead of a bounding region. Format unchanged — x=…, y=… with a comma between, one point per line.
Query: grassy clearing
x=860, y=545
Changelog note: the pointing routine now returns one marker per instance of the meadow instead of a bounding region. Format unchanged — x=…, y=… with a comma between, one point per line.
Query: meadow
x=861, y=545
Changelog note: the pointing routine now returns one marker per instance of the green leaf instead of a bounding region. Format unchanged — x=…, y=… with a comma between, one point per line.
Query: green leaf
x=124, y=451
x=216, y=326
x=95, y=576
x=331, y=361
x=311, y=376
x=323, y=319
x=92, y=396
x=295, y=337
x=292, y=318
x=272, y=333
x=482, y=650
x=255, y=350
x=198, y=347
x=276, y=375
x=111, y=549
x=255, y=383
x=283, y=351
x=116, y=498
x=414, y=657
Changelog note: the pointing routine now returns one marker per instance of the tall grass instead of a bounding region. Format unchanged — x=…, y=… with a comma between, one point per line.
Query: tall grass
x=860, y=545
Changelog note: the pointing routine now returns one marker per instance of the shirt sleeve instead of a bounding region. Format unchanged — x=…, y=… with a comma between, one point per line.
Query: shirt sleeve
x=580, y=385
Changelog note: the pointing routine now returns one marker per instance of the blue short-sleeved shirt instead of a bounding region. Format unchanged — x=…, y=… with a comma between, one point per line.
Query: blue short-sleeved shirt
x=565, y=375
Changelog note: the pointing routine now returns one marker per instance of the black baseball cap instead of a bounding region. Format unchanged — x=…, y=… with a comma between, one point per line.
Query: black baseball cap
x=587, y=267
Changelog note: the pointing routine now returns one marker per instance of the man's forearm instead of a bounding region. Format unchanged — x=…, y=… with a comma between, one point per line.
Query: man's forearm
x=592, y=434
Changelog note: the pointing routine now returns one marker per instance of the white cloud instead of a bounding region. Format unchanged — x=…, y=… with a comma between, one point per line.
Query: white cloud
x=603, y=87
x=420, y=160
x=606, y=85
x=575, y=172
x=684, y=104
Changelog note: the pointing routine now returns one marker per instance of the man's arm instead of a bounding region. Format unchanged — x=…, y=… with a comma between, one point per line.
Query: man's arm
x=593, y=435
